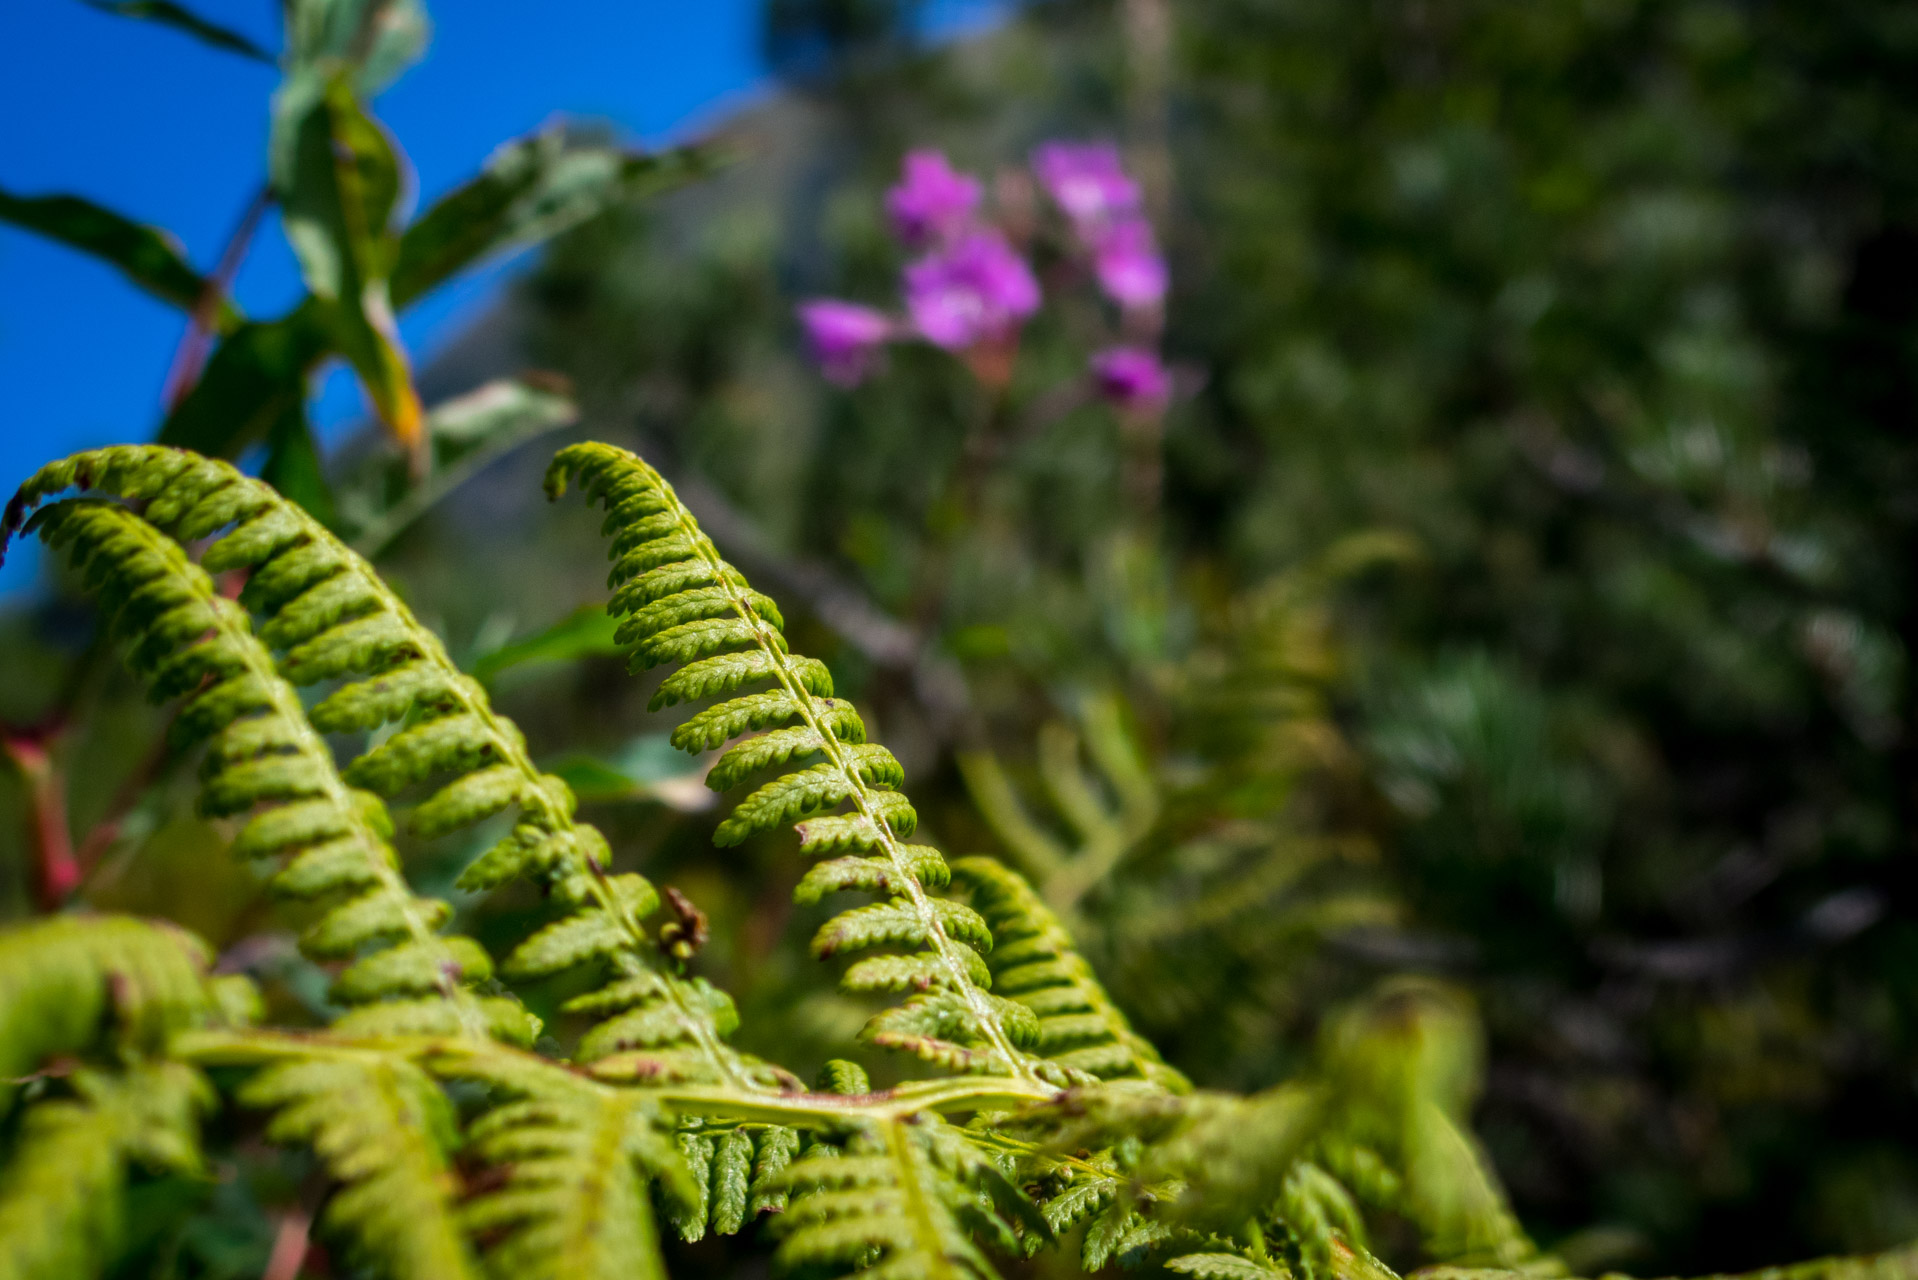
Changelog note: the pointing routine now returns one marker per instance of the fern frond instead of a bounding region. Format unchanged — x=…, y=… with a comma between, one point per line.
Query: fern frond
x=1036, y=964
x=1319, y=1215
x=572, y=1161
x=62, y=1192
x=1403, y=1066
x=263, y=758
x=904, y=1202
x=683, y=603
x=331, y=618
x=71, y=985
x=382, y=1128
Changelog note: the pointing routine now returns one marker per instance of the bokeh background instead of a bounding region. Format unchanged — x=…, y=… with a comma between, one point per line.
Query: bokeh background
x=1523, y=598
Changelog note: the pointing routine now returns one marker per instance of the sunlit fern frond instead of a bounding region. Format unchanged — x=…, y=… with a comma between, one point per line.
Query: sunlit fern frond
x=384, y=1131
x=907, y=1199
x=1035, y=963
x=566, y=1166
x=1403, y=1067
x=62, y=1190
x=682, y=604
x=71, y=986
x=332, y=619
x=265, y=760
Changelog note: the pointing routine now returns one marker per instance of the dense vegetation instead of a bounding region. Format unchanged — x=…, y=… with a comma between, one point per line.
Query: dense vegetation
x=1440, y=663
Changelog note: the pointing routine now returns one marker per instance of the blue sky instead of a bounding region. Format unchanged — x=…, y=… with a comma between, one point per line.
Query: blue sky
x=151, y=123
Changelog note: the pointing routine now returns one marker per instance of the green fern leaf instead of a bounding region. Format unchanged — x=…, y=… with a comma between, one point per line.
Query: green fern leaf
x=575, y=1159
x=685, y=604
x=777, y=1146
x=904, y=1202
x=334, y=619
x=62, y=1192
x=1226, y=1266
x=732, y=1181
x=688, y=606
x=1402, y=1066
x=690, y=1215
x=1122, y=1235
x=74, y=985
x=382, y=1128
x=715, y=726
x=264, y=757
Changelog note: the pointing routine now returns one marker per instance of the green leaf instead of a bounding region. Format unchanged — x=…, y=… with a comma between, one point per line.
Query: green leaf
x=63, y=1210
x=338, y=184
x=504, y=408
x=531, y=190
x=732, y=1177
x=381, y=1128
x=570, y=1165
x=377, y=39
x=1225, y=1266
x=183, y=19
x=149, y=257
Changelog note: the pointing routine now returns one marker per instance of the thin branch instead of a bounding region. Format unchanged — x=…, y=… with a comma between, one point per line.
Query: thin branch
x=290, y=1245
x=56, y=872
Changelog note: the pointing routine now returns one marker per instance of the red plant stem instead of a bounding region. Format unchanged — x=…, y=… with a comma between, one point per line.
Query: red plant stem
x=189, y=358
x=56, y=869
x=289, y=1247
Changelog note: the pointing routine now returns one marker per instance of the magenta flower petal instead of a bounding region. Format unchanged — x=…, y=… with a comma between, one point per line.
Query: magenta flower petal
x=933, y=202
x=1128, y=263
x=1087, y=182
x=844, y=338
x=974, y=289
x=1131, y=378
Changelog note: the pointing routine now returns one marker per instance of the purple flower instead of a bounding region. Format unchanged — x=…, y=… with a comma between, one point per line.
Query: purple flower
x=976, y=288
x=843, y=337
x=1128, y=264
x=932, y=202
x=1131, y=378
x=1087, y=182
